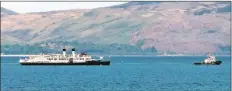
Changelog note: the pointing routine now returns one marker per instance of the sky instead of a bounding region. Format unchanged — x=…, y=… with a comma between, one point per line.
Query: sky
x=26, y=7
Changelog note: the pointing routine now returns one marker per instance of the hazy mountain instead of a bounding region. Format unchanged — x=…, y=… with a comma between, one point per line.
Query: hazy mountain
x=130, y=28
x=5, y=12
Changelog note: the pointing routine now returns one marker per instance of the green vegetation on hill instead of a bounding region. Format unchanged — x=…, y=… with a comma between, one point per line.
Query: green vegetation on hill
x=117, y=49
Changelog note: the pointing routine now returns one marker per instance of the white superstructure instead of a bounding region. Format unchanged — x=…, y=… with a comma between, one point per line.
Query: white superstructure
x=58, y=58
x=210, y=59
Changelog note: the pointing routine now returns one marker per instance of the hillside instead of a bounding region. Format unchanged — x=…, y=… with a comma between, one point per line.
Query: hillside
x=131, y=28
x=5, y=12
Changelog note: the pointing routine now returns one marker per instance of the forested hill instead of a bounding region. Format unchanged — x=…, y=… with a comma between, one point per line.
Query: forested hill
x=191, y=28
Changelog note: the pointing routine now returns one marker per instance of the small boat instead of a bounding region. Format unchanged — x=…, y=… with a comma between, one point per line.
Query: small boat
x=211, y=60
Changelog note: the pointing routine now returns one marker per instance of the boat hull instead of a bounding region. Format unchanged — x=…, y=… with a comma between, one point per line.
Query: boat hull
x=213, y=63
x=80, y=63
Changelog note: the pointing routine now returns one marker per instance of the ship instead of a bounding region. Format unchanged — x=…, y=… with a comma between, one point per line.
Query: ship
x=210, y=60
x=63, y=59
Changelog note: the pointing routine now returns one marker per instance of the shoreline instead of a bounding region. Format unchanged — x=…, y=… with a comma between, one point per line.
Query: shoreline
x=26, y=55
x=17, y=55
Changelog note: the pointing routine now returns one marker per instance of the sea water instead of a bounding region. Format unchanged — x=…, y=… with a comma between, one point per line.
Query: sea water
x=124, y=74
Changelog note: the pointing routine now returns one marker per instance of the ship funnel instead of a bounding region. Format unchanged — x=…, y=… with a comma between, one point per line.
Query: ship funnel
x=64, y=52
x=73, y=52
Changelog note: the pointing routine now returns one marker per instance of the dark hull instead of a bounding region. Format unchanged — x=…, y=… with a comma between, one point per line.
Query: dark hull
x=83, y=63
x=214, y=63
x=105, y=63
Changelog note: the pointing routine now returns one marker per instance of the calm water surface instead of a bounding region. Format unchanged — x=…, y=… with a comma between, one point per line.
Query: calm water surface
x=124, y=74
